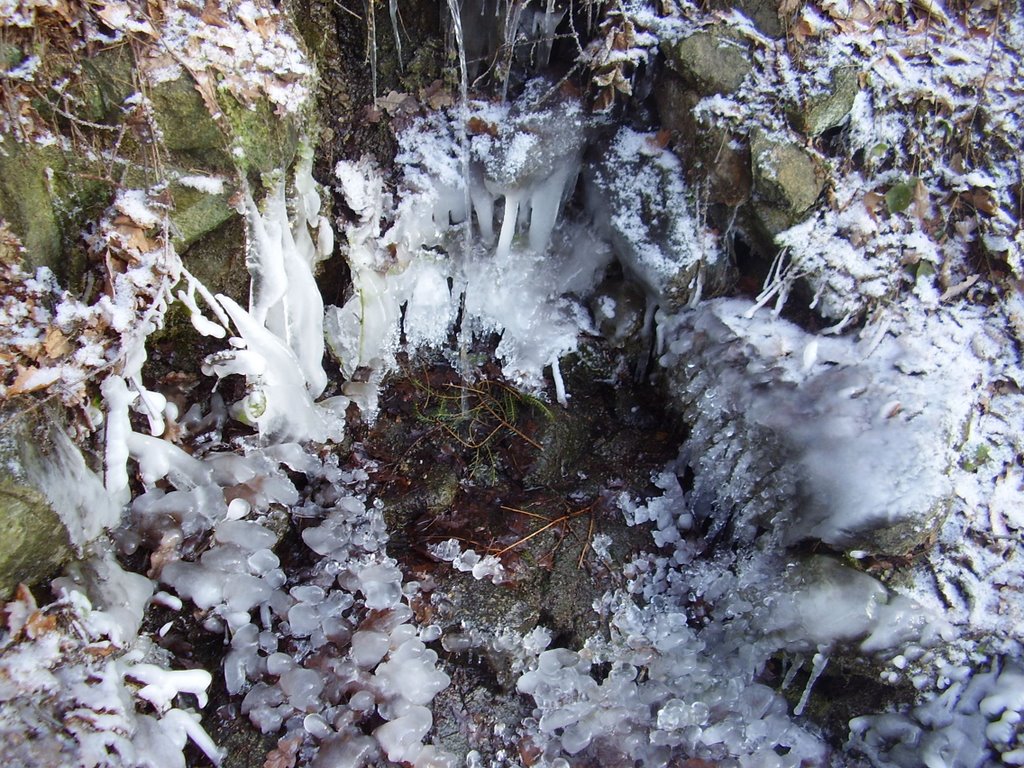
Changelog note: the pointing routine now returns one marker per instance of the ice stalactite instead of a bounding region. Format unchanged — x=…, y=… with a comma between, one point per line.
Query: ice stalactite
x=280, y=346
x=522, y=166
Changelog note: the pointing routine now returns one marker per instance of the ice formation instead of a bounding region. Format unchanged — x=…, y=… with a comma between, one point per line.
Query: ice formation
x=846, y=441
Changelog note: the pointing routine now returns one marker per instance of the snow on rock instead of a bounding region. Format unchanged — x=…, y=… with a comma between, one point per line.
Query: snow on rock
x=845, y=442
x=638, y=198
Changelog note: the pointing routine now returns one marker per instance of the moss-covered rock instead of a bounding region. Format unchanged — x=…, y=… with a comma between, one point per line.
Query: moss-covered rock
x=35, y=543
x=714, y=159
x=828, y=109
x=196, y=213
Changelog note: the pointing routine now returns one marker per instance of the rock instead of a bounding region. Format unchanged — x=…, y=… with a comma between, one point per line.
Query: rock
x=35, y=543
x=799, y=437
x=197, y=213
x=828, y=109
x=713, y=158
x=61, y=170
x=712, y=60
x=787, y=181
x=638, y=195
x=766, y=15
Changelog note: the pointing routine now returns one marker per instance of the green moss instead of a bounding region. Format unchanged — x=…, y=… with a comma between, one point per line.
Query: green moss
x=34, y=544
x=260, y=141
x=189, y=131
x=26, y=198
x=196, y=213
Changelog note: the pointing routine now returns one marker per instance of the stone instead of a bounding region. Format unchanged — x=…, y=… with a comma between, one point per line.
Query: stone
x=828, y=109
x=766, y=15
x=35, y=543
x=796, y=437
x=196, y=213
x=787, y=181
x=712, y=60
x=638, y=194
x=714, y=159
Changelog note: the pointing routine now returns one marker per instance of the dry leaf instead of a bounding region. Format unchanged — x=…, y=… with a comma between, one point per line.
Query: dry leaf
x=101, y=650
x=208, y=91
x=266, y=27
x=133, y=236
x=213, y=15
x=478, y=126
x=397, y=103
x=873, y=202
x=114, y=14
x=39, y=624
x=660, y=139
x=802, y=30
x=982, y=199
x=56, y=344
x=32, y=379
x=284, y=754
x=249, y=23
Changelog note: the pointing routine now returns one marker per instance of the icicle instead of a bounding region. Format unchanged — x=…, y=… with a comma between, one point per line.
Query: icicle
x=115, y=393
x=545, y=24
x=545, y=205
x=456, y=13
x=508, y=226
x=794, y=667
x=556, y=374
x=818, y=664
x=511, y=30
x=264, y=260
x=371, y=45
x=393, y=10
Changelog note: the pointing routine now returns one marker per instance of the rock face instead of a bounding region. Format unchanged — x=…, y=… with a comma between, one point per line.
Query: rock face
x=816, y=438
x=130, y=116
x=712, y=157
x=828, y=109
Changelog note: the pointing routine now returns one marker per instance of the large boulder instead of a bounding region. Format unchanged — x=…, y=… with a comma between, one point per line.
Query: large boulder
x=787, y=180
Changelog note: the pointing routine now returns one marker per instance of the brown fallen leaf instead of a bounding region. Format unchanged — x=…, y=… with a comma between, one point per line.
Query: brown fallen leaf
x=982, y=199
x=213, y=15
x=208, y=91
x=284, y=754
x=32, y=379
x=477, y=126
x=56, y=344
x=38, y=624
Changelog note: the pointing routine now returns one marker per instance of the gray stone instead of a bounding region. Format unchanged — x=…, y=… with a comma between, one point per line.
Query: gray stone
x=787, y=181
x=829, y=109
x=825, y=447
x=765, y=14
x=712, y=60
